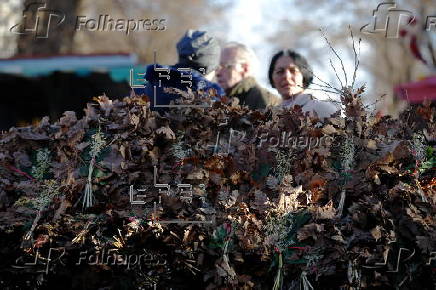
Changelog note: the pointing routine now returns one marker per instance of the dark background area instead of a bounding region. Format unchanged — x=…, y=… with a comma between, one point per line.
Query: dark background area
x=26, y=100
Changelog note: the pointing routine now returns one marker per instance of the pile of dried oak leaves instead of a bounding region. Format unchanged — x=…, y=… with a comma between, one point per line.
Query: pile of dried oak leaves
x=357, y=212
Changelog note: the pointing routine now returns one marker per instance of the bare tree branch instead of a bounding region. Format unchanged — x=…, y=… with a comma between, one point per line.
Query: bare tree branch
x=334, y=51
x=356, y=57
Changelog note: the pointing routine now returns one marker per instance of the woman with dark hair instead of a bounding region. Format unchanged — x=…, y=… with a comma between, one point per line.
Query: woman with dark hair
x=290, y=74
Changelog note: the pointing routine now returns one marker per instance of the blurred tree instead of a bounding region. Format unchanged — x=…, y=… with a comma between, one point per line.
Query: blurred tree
x=179, y=17
x=9, y=16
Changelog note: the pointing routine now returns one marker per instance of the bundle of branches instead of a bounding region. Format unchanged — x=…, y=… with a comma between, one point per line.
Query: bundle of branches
x=220, y=197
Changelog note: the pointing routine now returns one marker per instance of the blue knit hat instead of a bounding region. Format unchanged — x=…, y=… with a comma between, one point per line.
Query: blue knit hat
x=199, y=51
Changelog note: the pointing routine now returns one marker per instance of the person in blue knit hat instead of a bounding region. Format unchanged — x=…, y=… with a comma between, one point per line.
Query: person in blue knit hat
x=198, y=60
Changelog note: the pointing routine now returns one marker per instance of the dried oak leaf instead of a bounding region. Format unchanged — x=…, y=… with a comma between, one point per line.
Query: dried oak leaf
x=68, y=119
x=288, y=199
x=22, y=159
x=425, y=113
x=105, y=104
x=65, y=204
x=272, y=182
x=41, y=240
x=310, y=231
x=29, y=135
x=224, y=269
x=261, y=201
x=329, y=130
x=324, y=212
x=426, y=244
x=402, y=150
x=134, y=120
x=198, y=174
x=90, y=113
x=316, y=182
x=226, y=200
x=376, y=232
x=114, y=160
x=166, y=132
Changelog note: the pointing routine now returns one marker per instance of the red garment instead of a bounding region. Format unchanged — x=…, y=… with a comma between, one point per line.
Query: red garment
x=417, y=92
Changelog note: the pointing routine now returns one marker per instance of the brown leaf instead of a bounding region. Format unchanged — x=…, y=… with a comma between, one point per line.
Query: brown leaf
x=376, y=232
x=166, y=132
x=310, y=231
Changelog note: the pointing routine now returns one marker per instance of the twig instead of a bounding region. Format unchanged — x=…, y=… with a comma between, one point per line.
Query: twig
x=336, y=73
x=12, y=168
x=278, y=281
x=341, y=203
x=34, y=224
x=88, y=198
x=367, y=106
x=323, y=90
x=327, y=85
x=334, y=51
x=356, y=57
x=305, y=282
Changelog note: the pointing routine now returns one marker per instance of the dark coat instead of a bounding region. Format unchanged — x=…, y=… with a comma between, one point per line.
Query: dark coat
x=251, y=94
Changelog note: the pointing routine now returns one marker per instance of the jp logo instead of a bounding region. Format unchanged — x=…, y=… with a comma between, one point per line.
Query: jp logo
x=388, y=19
x=33, y=21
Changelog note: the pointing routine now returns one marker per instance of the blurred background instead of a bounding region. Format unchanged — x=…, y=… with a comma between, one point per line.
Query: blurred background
x=47, y=66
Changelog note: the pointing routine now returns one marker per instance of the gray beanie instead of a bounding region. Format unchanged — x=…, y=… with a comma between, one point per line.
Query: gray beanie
x=198, y=50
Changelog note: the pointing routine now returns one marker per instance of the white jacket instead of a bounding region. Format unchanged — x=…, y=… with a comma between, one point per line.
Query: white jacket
x=310, y=104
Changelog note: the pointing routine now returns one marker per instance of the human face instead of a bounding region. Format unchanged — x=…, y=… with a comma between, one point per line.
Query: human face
x=287, y=77
x=230, y=71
